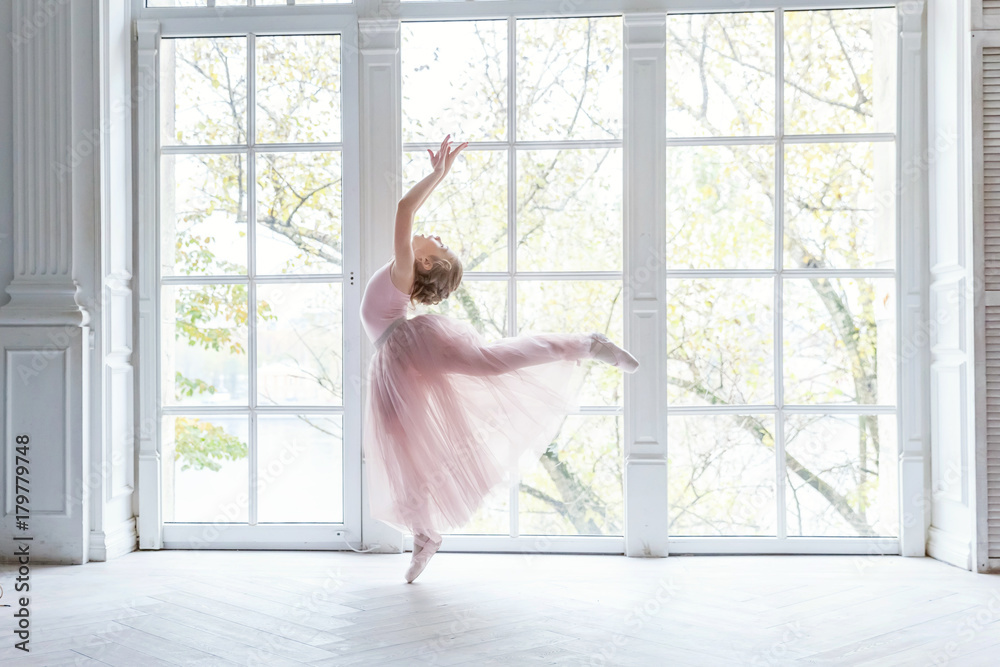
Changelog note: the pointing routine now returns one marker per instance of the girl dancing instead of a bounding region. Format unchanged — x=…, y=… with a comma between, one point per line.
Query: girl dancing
x=448, y=415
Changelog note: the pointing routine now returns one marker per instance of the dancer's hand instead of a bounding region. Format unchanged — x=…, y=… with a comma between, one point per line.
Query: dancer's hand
x=445, y=157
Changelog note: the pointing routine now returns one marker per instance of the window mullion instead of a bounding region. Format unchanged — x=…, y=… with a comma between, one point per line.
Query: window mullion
x=779, y=265
x=252, y=272
x=515, y=530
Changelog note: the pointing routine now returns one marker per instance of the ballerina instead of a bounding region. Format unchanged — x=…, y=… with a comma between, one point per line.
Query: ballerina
x=448, y=416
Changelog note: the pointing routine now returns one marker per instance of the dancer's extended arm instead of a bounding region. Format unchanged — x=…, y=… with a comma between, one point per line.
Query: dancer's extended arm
x=407, y=207
x=405, y=210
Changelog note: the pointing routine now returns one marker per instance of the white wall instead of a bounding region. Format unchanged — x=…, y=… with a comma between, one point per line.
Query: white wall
x=6, y=155
x=63, y=277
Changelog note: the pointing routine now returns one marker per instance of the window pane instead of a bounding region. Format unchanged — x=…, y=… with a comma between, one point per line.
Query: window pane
x=203, y=215
x=203, y=341
x=454, y=80
x=203, y=90
x=837, y=332
x=492, y=517
x=299, y=213
x=468, y=210
x=298, y=88
x=300, y=344
x=205, y=469
x=300, y=468
x=841, y=475
x=720, y=341
x=720, y=207
x=569, y=210
x=721, y=475
x=569, y=78
x=840, y=71
x=720, y=74
x=575, y=488
x=577, y=306
x=840, y=205
x=481, y=303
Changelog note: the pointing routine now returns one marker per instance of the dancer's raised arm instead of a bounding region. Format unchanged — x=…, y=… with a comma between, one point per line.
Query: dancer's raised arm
x=407, y=207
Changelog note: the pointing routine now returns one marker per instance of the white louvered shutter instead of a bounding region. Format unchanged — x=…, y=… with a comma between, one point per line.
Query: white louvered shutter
x=985, y=14
x=986, y=245
x=989, y=233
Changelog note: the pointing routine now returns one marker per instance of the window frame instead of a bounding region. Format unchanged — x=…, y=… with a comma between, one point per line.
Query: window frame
x=779, y=141
x=644, y=421
x=511, y=146
x=193, y=535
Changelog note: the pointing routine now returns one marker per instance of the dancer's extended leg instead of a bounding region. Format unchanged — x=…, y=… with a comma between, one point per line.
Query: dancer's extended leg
x=517, y=352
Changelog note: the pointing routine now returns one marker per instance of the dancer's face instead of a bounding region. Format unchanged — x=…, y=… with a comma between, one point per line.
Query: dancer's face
x=426, y=248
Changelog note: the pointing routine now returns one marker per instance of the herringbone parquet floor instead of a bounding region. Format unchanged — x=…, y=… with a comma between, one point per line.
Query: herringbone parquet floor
x=334, y=608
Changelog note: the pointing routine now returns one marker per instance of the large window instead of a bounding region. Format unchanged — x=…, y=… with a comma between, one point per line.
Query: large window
x=251, y=264
x=781, y=287
x=770, y=420
x=535, y=211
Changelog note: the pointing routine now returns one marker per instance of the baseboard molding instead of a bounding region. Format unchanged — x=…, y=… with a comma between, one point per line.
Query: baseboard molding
x=944, y=546
x=117, y=541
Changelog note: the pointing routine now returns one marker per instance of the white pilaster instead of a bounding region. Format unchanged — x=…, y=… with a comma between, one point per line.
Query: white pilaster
x=646, y=516
x=381, y=188
x=946, y=434
x=47, y=152
x=150, y=524
x=112, y=460
x=912, y=200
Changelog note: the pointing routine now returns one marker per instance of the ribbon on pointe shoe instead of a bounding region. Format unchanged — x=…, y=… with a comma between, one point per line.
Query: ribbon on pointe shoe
x=420, y=558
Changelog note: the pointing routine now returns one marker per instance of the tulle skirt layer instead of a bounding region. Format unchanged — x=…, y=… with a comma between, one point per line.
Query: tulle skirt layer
x=448, y=416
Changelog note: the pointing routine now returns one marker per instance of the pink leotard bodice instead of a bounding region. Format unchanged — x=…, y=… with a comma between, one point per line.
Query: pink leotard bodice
x=382, y=303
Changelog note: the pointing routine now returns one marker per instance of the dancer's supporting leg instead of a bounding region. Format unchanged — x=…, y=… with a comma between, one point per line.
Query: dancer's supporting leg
x=426, y=542
x=423, y=548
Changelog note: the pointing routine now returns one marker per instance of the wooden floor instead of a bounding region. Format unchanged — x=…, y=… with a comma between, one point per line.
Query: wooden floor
x=334, y=608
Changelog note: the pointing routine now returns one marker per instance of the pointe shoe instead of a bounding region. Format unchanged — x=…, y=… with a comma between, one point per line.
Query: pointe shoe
x=423, y=548
x=602, y=349
x=420, y=540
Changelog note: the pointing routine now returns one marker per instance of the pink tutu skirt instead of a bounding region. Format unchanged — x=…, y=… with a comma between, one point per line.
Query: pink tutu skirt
x=449, y=416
